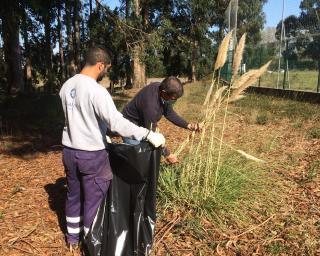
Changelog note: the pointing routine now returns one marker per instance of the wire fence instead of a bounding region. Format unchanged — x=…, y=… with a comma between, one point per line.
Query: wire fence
x=289, y=71
x=294, y=48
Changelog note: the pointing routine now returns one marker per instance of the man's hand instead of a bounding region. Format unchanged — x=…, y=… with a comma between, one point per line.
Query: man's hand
x=156, y=139
x=194, y=127
x=172, y=159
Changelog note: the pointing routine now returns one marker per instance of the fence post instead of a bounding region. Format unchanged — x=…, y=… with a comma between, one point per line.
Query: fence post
x=318, y=85
x=260, y=64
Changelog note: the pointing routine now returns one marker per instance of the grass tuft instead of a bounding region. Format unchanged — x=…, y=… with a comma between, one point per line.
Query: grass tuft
x=313, y=133
x=262, y=119
x=216, y=180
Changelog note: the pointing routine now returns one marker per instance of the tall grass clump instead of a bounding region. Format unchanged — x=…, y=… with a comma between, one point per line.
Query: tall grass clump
x=214, y=176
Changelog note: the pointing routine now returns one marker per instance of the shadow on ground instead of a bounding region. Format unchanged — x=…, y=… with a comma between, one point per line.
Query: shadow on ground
x=57, y=193
x=32, y=124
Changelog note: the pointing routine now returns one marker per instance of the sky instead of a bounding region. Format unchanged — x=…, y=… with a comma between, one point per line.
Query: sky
x=112, y=3
x=272, y=9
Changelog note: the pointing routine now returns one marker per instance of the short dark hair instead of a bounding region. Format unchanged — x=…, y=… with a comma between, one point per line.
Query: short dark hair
x=172, y=86
x=97, y=54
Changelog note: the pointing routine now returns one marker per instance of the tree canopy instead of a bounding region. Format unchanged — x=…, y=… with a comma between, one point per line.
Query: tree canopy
x=43, y=41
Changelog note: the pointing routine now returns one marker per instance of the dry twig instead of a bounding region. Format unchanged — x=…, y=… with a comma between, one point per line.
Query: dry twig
x=174, y=222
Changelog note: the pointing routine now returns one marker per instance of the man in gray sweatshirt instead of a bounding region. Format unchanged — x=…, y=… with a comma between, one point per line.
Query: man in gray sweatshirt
x=89, y=112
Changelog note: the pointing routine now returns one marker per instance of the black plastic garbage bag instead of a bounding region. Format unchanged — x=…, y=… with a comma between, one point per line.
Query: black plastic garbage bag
x=125, y=221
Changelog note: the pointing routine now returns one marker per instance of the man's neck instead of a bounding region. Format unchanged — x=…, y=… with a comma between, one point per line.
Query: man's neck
x=87, y=71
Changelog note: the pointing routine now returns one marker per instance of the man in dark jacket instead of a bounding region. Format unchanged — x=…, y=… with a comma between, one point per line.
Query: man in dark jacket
x=154, y=101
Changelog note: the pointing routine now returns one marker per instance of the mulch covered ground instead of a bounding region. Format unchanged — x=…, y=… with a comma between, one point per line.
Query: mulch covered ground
x=32, y=194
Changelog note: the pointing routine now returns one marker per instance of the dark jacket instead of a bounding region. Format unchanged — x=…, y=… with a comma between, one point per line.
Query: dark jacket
x=147, y=108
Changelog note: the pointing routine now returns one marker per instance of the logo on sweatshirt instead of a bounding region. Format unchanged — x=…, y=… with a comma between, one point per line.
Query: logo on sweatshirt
x=73, y=93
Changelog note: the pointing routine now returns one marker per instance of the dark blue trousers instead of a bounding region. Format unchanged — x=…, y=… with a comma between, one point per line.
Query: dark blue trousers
x=88, y=178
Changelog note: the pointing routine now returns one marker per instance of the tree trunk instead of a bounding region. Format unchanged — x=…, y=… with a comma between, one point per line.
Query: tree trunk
x=90, y=7
x=318, y=86
x=128, y=65
x=127, y=9
x=12, y=51
x=97, y=4
x=136, y=5
x=128, y=68
x=285, y=75
x=28, y=65
x=71, y=64
x=167, y=8
x=167, y=58
x=194, y=61
x=145, y=14
x=48, y=47
x=87, y=24
x=61, y=52
x=139, y=69
x=76, y=24
x=28, y=75
x=193, y=71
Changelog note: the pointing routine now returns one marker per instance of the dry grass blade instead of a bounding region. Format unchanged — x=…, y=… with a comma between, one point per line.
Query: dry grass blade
x=247, y=80
x=206, y=101
x=238, y=55
x=223, y=51
x=250, y=157
x=254, y=78
x=182, y=146
x=246, y=155
x=244, y=79
x=264, y=68
x=236, y=98
x=218, y=95
x=173, y=223
x=14, y=240
x=23, y=250
x=255, y=227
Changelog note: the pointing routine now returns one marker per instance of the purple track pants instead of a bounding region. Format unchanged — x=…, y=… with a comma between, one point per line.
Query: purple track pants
x=88, y=177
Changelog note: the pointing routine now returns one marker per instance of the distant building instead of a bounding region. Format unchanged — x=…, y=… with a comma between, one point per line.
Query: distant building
x=268, y=35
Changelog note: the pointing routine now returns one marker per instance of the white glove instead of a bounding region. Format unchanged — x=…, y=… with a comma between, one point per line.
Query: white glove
x=156, y=139
x=108, y=139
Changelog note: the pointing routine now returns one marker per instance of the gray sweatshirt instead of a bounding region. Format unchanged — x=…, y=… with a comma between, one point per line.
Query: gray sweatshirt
x=89, y=112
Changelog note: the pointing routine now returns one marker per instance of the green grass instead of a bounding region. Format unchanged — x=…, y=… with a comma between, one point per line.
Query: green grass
x=246, y=193
x=190, y=104
x=277, y=108
x=262, y=119
x=299, y=80
x=314, y=133
x=312, y=171
x=276, y=248
x=240, y=186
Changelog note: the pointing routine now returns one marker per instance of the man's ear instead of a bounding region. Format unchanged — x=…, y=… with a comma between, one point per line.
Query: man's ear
x=98, y=65
x=103, y=67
